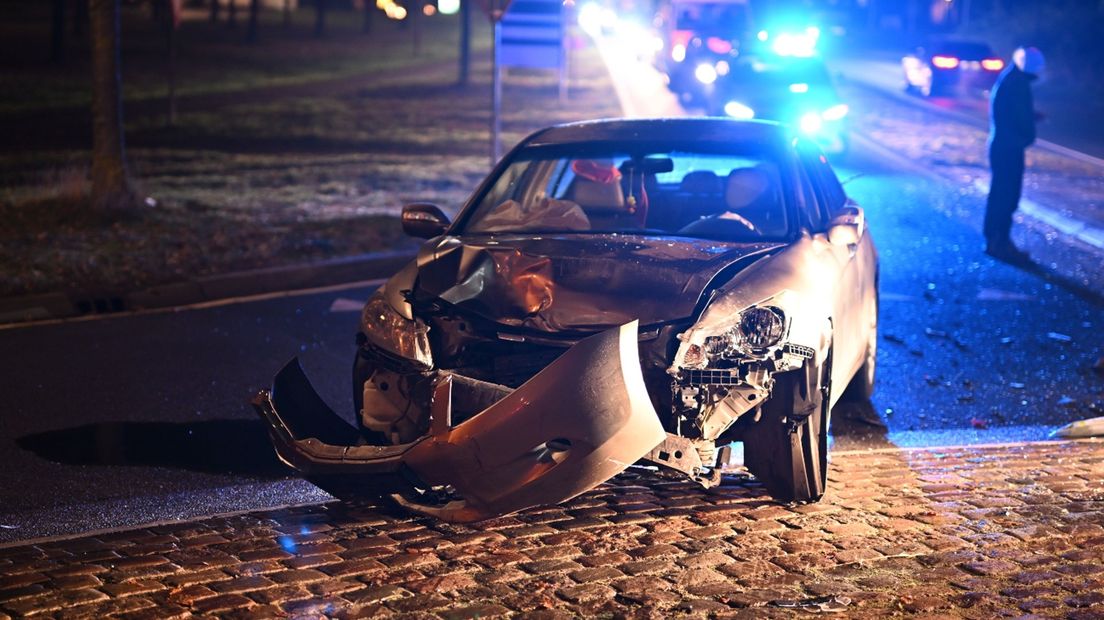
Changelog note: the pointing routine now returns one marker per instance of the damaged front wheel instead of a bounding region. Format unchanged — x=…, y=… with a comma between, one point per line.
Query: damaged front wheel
x=787, y=448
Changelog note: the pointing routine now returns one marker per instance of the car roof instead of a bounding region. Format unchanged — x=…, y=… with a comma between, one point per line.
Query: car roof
x=698, y=129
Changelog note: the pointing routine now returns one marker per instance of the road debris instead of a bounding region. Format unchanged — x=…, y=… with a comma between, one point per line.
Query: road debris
x=1059, y=337
x=1066, y=401
x=994, y=294
x=1091, y=427
x=822, y=604
x=979, y=423
x=1098, y=367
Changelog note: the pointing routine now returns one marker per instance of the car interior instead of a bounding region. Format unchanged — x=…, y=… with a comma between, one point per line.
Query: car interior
x=742, y=203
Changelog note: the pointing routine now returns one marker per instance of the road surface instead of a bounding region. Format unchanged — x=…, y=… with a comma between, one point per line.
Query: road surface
x=132, y=419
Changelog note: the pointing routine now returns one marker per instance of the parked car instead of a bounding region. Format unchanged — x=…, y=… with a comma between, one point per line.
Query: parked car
x=794, y=90
x=695, y=31
x=948, y=67
x=615, y=291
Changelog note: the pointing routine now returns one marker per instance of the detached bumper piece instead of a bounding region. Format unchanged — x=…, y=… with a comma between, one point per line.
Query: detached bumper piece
x=580, y=421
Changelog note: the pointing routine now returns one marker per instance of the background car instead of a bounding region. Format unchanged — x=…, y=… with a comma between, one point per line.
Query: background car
x=615, y=291
x=692, y=32
x=795, y=90
x=948, y=67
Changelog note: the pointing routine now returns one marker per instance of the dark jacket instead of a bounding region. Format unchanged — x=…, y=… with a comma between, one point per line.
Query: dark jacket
x=1012, y=110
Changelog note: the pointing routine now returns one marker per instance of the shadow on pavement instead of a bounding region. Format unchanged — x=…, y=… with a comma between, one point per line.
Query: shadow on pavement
x=217, y=446
x=858, y=421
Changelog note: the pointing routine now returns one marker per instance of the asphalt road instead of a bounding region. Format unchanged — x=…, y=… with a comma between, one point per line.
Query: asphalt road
x=130, y=419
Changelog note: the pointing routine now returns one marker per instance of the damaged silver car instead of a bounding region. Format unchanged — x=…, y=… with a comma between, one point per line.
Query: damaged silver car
x=615, y=292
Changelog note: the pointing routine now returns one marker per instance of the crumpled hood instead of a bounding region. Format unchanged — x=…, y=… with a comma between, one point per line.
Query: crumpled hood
x=577, y=282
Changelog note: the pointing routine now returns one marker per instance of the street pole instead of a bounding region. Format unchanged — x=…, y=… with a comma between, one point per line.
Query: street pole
x=465, y=40
x=496, y=103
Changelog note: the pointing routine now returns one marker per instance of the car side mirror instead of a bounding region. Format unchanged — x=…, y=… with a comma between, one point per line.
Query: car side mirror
x=847, y=227
x=424, y=220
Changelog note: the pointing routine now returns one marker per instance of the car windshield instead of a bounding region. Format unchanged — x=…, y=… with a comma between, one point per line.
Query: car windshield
x=728, y=20
x=726, y=196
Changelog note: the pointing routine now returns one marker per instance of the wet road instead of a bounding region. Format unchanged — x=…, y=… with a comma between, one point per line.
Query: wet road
x=132, y=419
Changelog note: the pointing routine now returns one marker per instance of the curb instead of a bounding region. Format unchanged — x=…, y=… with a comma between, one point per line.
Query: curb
x=51, y=306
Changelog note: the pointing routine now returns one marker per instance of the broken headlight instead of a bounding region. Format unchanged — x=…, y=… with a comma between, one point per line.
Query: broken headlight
x=393, y=333
x=756, y=330
x=759, y=328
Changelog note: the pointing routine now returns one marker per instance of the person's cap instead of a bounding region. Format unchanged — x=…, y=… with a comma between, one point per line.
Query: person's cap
x=1029, y=60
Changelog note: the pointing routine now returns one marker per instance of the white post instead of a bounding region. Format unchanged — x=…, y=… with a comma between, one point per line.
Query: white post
x=496, y=86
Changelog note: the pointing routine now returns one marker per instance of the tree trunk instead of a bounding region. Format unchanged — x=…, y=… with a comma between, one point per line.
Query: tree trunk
x=465, y=41
x=414, y=14
x=57, y=32
x=254, y=12
x=319, y=18
x=232, y=14
x=170, y=62
x=287, y=14
x=80, y=20
x=214, y=11
x=110, y=180
x=366, y=25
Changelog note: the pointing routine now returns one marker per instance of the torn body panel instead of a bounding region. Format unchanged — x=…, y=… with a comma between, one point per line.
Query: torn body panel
x=580, y=283
x=578, y=422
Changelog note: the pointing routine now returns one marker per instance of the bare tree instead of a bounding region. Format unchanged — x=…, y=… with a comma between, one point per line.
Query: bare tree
x=254, y=12
x=57, y=32
x=110, y=179
x=80, y=20
x=319, y=18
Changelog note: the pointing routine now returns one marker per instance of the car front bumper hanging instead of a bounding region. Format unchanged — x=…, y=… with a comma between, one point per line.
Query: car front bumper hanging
x=580, y=421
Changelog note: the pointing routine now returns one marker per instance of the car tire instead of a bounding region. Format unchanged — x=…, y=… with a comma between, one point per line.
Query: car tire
x=787, y=448
x=861, y=387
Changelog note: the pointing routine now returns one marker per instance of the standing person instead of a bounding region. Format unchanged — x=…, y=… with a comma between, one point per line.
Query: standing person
x=1011, y=131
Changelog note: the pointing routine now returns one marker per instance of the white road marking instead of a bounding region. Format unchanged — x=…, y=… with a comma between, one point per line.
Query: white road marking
x=201, y=305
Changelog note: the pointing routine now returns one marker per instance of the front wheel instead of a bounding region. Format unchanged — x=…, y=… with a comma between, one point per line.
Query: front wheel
x=787, y=448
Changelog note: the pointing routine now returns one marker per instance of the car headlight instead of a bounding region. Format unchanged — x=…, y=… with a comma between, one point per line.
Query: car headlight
x=395, y=334
x=753, y=335
x=810, y=122
x=706, y=73
x=735, y=109
x=759, y=328
x=835, y=113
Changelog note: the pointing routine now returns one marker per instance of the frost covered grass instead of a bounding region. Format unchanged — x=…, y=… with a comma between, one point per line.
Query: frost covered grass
x=310, y=166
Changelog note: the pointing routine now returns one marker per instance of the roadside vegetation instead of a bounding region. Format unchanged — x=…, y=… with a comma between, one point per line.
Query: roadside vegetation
x=292, y=149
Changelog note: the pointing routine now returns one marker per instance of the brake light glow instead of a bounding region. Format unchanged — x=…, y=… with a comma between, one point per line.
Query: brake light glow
x=944, y=62
x=992, y=64
x=718, y=45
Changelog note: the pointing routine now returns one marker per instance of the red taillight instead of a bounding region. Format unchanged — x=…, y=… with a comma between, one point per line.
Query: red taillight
x=718, y=46
x=992, y=64
x=944, y=62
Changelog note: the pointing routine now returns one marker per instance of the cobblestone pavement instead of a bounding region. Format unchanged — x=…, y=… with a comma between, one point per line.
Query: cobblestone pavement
x=974, y=532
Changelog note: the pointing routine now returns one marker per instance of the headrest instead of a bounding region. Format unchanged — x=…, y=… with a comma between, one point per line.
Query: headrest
x=701, y=182
x=745, y=186
x=588, y=193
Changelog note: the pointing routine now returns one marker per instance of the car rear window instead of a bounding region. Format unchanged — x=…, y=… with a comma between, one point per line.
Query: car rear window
x=964, y=50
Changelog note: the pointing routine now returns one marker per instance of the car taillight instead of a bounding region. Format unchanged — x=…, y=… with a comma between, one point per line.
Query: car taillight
x=992, y=64
x=944, y=62
x=718, y=45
